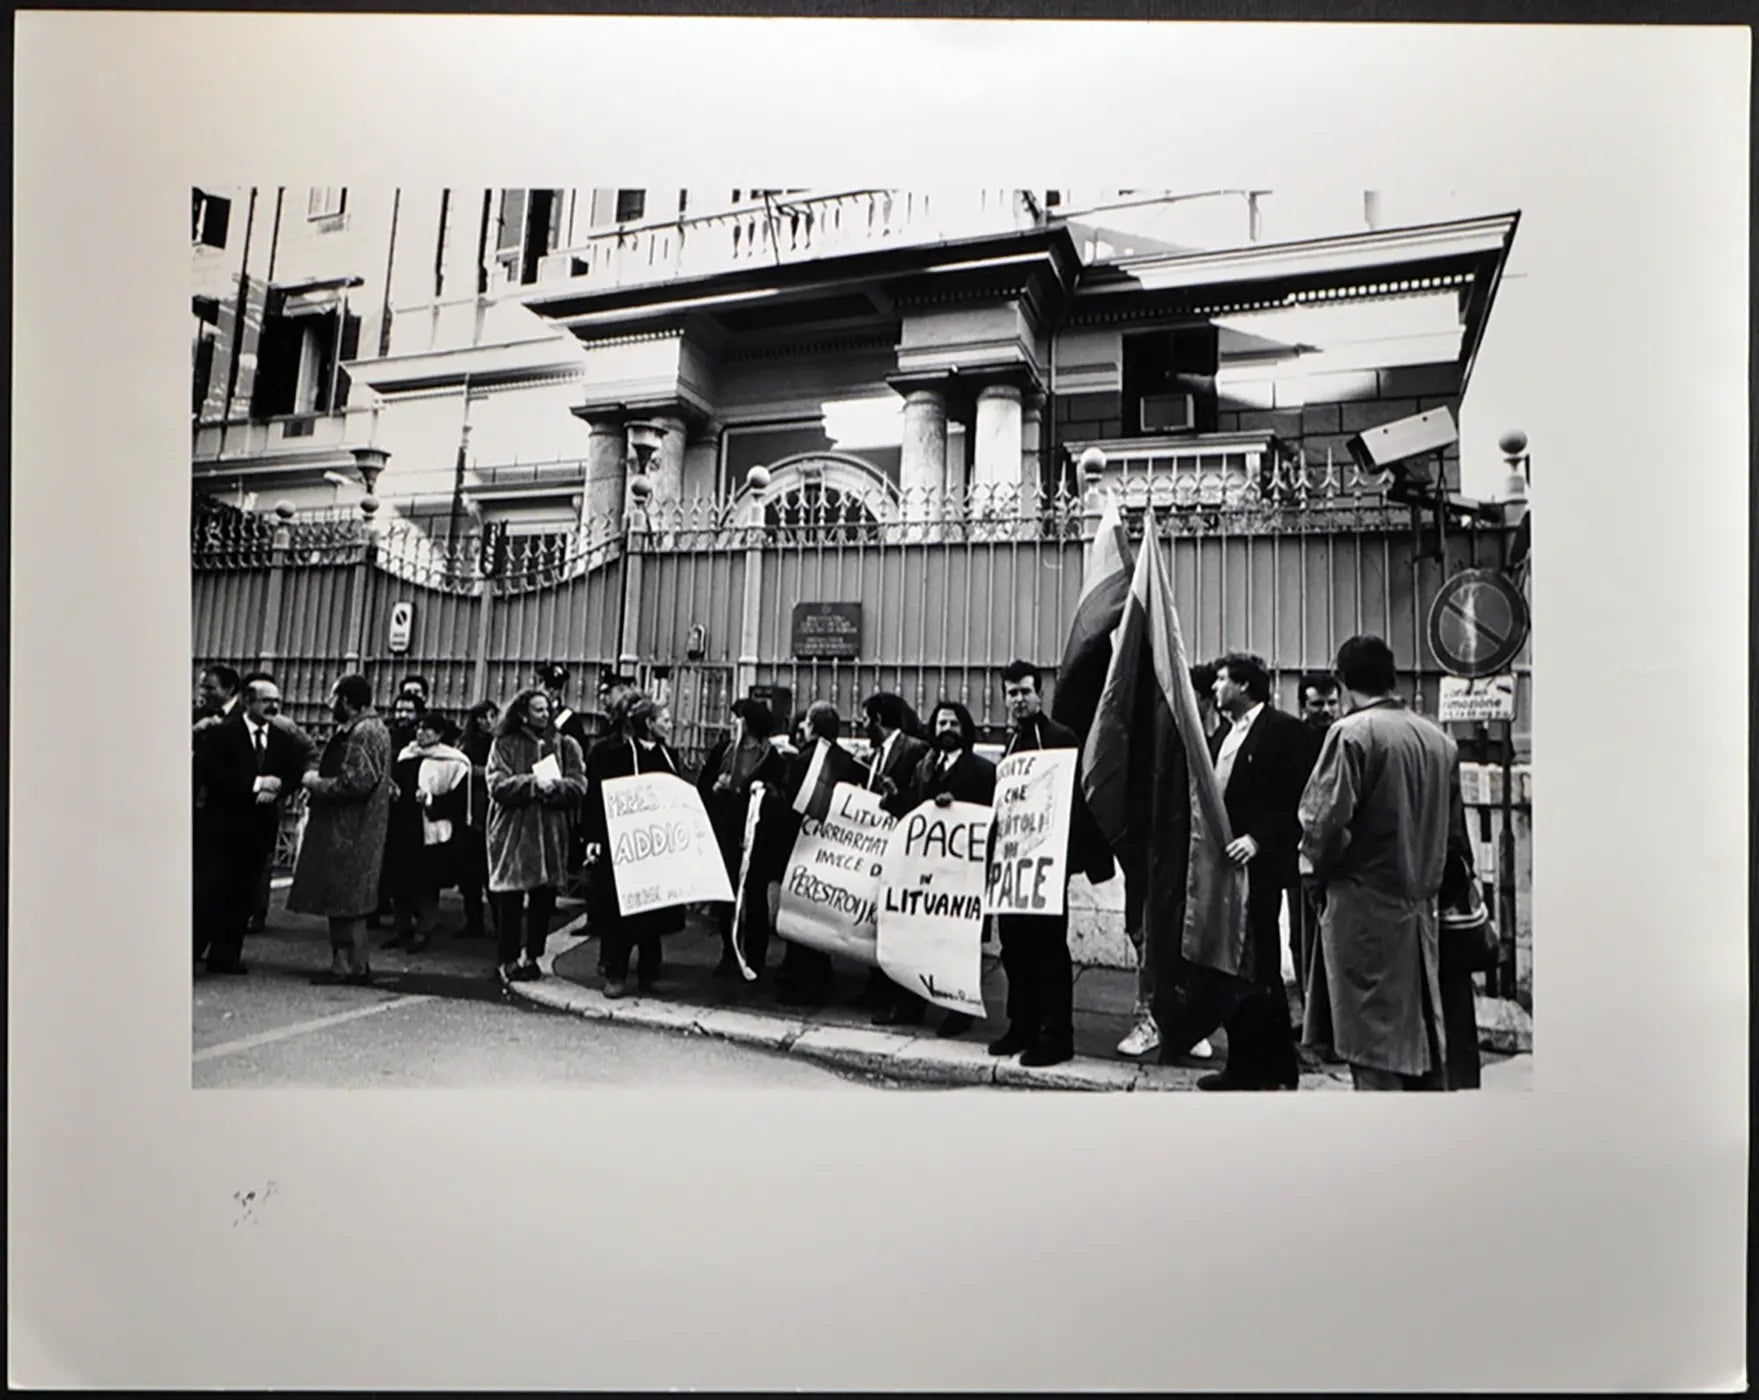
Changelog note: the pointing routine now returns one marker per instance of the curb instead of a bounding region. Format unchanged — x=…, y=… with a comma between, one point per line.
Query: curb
x=918, y=1057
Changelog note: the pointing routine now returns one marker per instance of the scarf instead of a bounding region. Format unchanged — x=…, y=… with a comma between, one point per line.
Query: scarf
x=443, y=768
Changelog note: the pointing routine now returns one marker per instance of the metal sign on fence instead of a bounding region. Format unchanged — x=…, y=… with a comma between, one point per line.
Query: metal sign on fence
x=1478, y=623
x=827, y=631
x=1465, y=701
x=402, y=627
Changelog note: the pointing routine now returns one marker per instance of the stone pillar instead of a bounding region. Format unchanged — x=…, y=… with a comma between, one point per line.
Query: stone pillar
x=602, y=508
x=922, y=473
x=996, y=459
x=1032, y=444
x=667, y=468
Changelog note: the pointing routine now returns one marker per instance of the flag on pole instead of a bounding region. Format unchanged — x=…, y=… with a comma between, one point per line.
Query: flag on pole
x=1105, y=583
x=829, y=765
x=1152, y=788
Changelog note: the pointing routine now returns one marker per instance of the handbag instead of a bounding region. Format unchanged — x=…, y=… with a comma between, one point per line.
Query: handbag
x=1466, y=925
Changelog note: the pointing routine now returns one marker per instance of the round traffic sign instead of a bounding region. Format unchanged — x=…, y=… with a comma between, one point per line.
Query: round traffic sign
x=1478, y=623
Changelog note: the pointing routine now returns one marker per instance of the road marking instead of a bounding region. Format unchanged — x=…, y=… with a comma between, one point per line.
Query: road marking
x=252, y=1042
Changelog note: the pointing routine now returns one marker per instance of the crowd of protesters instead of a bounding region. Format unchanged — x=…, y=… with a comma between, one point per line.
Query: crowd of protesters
x=1354, y=819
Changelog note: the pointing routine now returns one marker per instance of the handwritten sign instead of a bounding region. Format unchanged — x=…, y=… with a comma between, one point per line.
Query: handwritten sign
x=931, y=904
x=1029, y=866
x=830, y=890
x=662, y=845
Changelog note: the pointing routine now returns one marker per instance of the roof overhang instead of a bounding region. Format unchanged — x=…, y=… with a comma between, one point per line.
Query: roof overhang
x=588, y=310
x=1469, y=253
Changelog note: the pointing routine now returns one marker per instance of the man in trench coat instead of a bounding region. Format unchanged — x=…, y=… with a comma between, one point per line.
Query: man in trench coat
x=1374, y=822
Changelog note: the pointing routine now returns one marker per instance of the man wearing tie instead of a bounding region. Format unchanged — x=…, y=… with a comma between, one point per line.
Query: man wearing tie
x=247, y=765
x=1262, y=760
x=949, y=772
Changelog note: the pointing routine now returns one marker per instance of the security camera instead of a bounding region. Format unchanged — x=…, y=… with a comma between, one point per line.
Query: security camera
x=1378, y=449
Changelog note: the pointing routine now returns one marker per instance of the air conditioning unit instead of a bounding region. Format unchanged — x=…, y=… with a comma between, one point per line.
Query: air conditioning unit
x=1168, y=413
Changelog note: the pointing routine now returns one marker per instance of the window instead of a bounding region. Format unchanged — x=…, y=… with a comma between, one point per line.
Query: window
x=631, y=204
x=1052, y=198
x=530, y=229
x=207, y=337
x=1169, y=381
x=683, y=202
x=299, y=360
x=209, y=217
x=326, y=202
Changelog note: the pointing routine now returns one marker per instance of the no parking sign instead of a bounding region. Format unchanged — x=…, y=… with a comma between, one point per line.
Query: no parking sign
x=1478, y=624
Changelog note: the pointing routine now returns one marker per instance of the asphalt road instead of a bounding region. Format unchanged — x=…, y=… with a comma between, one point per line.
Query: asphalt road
x=439, y=1020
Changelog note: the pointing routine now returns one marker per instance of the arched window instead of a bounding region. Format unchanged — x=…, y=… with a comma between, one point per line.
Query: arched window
x=813, y=513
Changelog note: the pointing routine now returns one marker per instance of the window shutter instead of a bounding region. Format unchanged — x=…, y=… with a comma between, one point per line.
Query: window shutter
x=512, y=230
x=195, y=213
x=350, y=348
x=554, y=241
x=214, y=225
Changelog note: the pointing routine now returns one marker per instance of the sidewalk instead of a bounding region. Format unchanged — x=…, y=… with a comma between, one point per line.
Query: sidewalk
x=690, y=999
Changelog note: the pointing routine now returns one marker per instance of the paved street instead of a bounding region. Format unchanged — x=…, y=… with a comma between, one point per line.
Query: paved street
x=439, y=1021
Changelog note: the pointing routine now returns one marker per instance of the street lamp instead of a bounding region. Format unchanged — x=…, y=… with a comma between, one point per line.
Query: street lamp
x=644, y=441
x=369, y=462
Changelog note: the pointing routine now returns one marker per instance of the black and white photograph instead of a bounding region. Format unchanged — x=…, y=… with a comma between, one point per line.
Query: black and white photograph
x=505, y=498
x=857, y=685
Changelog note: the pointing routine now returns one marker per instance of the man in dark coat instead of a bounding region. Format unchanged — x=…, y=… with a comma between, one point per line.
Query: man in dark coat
x=949, y=772
x=744, y=757
x=259, y=914
x=893, y=755
x=1261, y=760
x=1035, y=947
x=342, y=854
x=247, y=766
x=806, y=976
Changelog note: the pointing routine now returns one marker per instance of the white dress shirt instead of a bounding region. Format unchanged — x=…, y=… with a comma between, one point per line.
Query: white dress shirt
x=1231, y=742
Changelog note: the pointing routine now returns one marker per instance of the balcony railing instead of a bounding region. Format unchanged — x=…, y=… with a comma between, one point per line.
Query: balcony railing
x=785, y=231
x=294, y=432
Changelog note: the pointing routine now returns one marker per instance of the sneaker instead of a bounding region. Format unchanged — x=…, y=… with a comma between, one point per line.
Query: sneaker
x=1203, y=1050
x=1144, y=1037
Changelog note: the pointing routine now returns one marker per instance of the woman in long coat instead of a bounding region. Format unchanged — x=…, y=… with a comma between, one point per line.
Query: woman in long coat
x=535, y=777
x=632, y=747
x=340, y=858
x=733, y=765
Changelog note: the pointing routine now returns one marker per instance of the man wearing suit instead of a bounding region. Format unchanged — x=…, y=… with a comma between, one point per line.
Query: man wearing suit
x=894, y=757
x=1261, y=760
x=246, y=765
x=949, y=772
x=1035, y=947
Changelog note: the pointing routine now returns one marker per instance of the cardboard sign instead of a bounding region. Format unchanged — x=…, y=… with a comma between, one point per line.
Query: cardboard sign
x=931, y=904
x=1487, y=698
x=1029, y=865
x=830, y=891
x=661, y=844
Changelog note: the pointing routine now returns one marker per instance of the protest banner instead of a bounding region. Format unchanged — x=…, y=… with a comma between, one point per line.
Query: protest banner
x=830, y=891
x=931, y=904
x=661, y=843
x=1029, y=863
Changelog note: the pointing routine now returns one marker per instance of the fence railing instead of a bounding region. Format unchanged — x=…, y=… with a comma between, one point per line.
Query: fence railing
x=702, y=592
x=784, y=230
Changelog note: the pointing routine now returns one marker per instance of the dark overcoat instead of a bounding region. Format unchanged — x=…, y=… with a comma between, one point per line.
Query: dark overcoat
x=528, y=831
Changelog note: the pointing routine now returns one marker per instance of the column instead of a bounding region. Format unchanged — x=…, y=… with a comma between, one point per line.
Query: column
x=602, y=508
x=1032, y=444
x=922, y=474
x=996, y=456
x=667, y=468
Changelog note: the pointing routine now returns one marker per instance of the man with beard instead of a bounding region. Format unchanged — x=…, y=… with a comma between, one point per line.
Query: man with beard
x=344, y=848
x=950, y=772
x=216, y=695
x=1035, y=947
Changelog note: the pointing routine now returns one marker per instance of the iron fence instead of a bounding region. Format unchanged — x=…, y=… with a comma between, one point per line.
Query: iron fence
x=697, y=596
